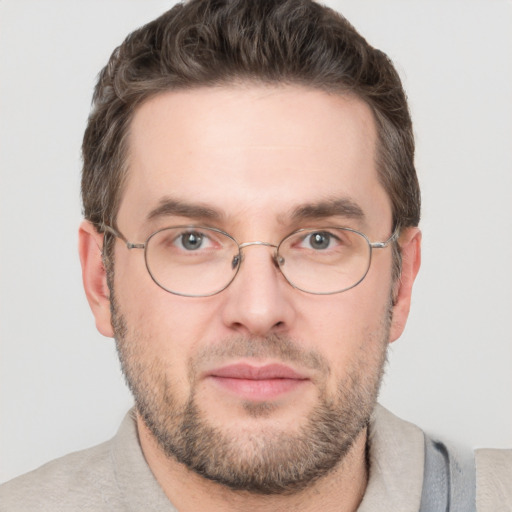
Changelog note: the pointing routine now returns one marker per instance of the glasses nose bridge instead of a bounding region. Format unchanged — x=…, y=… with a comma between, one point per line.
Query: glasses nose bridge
x=247, y=244
x=262, y=244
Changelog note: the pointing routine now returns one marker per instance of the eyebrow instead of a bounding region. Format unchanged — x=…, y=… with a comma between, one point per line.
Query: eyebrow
x=169, y=206
x=337, y=207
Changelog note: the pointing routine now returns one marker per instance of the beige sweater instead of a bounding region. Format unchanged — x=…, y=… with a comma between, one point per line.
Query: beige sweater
x=115, y=477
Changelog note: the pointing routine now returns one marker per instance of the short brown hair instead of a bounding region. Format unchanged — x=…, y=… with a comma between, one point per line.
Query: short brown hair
x=215, y=42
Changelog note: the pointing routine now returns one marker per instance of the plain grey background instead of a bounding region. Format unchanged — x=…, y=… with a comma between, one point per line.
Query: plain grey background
x=451, y=372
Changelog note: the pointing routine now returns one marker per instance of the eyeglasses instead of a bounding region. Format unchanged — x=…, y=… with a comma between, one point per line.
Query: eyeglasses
x=196, y=261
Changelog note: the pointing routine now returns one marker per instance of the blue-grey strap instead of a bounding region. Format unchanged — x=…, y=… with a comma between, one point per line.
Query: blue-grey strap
x=449, y=481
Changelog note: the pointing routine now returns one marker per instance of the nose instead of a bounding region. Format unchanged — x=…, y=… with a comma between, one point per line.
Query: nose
x=259, y=301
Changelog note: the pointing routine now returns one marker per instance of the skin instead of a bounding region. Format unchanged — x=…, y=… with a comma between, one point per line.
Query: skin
x=253, y=154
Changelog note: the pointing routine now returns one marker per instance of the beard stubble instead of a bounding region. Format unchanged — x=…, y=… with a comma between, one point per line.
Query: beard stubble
x=271, y=461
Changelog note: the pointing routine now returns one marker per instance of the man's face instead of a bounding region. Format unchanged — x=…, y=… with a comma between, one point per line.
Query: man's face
x=262, y=386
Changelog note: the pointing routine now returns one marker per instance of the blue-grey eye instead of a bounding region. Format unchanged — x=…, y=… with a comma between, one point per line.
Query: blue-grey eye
x=192, y=241
x=320, y=240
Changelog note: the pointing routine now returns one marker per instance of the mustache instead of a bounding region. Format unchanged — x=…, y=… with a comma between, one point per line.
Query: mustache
x=274, y=346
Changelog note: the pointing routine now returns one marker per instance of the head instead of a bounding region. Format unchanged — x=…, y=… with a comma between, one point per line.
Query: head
x=246, y=116
x=211, y=44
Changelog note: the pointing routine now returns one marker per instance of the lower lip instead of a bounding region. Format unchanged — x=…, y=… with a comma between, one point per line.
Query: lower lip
x=259, y=390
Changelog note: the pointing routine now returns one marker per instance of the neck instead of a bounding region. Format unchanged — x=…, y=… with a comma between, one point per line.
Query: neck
x=341, y=490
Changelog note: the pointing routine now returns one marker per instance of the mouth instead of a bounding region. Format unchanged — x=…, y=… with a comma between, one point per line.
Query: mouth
x=257, y=383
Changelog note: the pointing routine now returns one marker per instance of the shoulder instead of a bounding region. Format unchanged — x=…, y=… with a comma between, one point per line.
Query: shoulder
x=396, y=455
x=110, y=477
x=429, y=466
x=494, y=480
x=78, y=481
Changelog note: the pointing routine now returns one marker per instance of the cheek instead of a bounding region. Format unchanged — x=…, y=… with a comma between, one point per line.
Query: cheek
x=170, y=327
x=348, y=329
x=348, y=317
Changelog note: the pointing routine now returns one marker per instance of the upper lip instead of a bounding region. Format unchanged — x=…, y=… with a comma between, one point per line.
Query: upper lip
x=251, y=372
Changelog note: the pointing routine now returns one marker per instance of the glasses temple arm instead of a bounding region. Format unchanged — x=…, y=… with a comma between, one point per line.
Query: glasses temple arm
x=107, y=229
x=391, y=239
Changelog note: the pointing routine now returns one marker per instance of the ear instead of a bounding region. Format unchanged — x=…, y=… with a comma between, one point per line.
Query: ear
x=410, y=245
x=94, y=276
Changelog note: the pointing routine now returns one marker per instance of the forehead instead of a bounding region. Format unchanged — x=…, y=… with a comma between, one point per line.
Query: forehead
x=251, y=151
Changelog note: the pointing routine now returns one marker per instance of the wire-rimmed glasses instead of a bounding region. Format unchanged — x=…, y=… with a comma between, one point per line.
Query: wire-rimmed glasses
x=197, y=261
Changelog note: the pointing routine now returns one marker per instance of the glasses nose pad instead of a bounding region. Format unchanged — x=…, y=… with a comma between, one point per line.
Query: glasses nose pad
x=278, y=260
x=236, y=261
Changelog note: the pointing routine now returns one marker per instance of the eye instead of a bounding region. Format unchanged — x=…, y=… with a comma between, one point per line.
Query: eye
x=192, y=241
x=320, y=240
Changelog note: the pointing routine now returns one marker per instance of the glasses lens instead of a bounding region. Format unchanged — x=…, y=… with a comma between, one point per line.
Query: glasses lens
x=192, y=261
x=324, y=261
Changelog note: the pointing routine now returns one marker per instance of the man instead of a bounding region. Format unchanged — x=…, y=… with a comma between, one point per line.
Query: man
x=251, y=242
